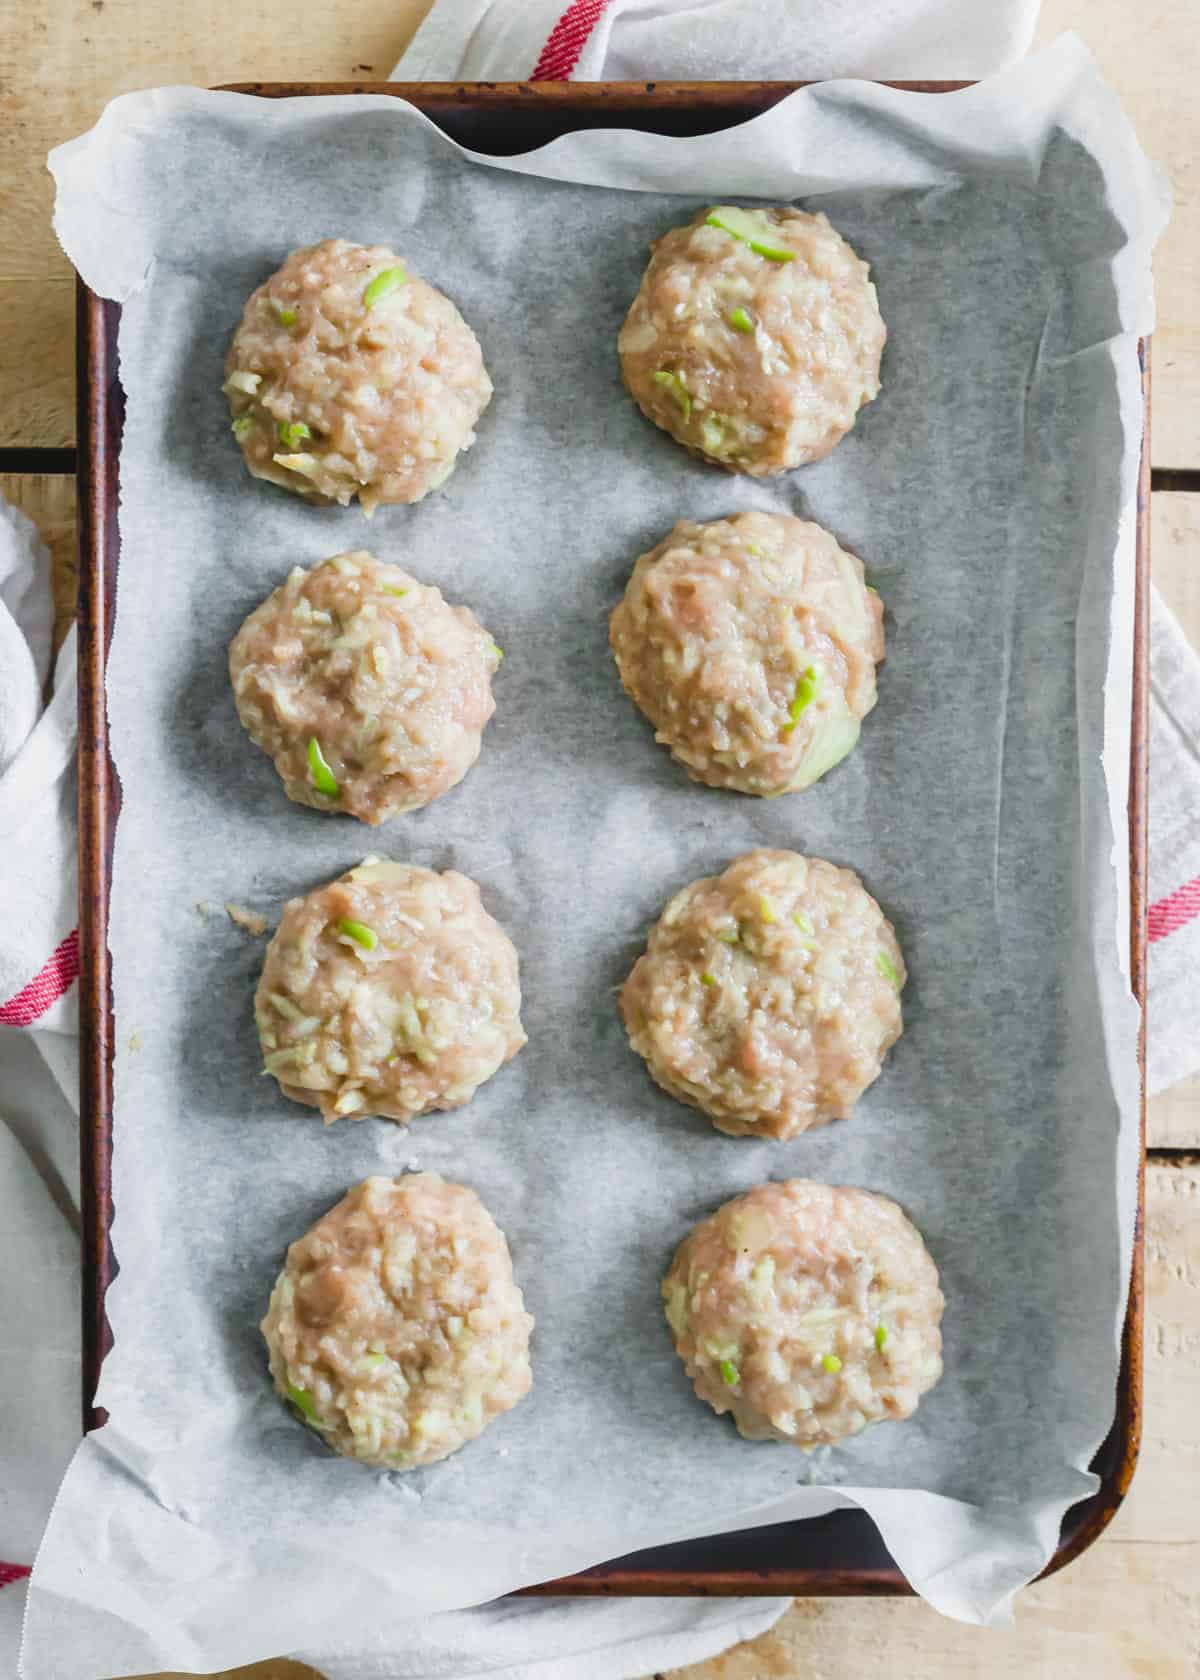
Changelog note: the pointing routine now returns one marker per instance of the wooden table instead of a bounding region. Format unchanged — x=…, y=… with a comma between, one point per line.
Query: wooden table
x=1131, y=1606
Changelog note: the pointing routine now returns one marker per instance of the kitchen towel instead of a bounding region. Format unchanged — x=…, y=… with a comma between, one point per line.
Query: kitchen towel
x=39, y=1246
x=715, y=40
x=1173, y=993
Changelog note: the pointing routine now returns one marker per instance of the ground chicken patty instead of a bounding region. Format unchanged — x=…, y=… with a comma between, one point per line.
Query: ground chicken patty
x=349, y=376
x=754, y=339
x=396, y=1328
x=808, y=1311
x=367, y=688
x=751, y=644
x=767, y=996
x=389, y=991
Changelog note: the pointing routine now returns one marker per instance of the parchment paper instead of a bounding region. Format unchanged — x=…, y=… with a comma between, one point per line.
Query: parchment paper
x=989, y=492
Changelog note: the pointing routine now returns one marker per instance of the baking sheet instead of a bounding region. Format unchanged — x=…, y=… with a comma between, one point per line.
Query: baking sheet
x=988, y=490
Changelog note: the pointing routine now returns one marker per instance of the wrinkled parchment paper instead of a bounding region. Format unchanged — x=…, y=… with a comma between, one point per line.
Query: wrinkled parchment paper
x=989, y=490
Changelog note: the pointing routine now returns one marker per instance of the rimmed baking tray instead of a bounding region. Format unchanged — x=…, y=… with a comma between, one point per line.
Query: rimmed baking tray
x=839, y=1554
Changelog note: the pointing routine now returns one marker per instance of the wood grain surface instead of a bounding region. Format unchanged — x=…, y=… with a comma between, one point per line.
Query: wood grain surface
x=1130, y=1607
x=1175, y=553
x=61, y=61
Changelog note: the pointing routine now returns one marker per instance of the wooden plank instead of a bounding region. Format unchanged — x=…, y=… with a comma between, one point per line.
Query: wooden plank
x=61, y=63
x=1173, y=1117
x=1150, y=53
x=1175, y=556
x=59, y=66
x=37, y=364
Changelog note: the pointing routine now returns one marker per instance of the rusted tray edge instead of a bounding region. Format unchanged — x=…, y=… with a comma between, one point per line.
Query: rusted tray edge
x=570, y=97
x=503, y=118
x=100, y=407
x=100, y=417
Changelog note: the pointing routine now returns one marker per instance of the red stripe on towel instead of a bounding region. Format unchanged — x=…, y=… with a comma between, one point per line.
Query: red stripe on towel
x=1174, y=911
x=10, y=1572
x=44, y=989
x=567, y=40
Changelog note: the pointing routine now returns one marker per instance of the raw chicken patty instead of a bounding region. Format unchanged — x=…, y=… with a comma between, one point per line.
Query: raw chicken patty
x=808, y=1311
x=396, y=1328
x=349, y=376
x=389, y=991
x=754, y=339
x=367, y=688
x=751, y=645
x=767, y=996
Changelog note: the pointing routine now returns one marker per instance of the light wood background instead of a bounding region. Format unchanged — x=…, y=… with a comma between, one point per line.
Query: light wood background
x=1130, y=1607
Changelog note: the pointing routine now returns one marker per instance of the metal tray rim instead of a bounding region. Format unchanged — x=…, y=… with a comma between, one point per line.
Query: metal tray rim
x=849, y=1558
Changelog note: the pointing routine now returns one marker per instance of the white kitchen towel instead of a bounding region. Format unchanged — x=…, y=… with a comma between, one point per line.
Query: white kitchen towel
x=519, y=1639
x=715, y=40
x=39, y=1315
x=1173, y=989
x=39, y=1246
x=38, y=958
